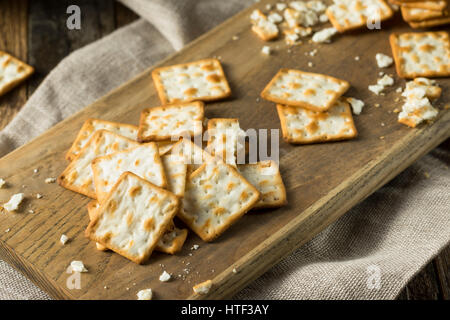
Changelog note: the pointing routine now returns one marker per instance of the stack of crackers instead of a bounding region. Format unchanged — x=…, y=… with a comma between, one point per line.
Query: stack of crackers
x=424, y=14
x=141, y=178
x=311, y=107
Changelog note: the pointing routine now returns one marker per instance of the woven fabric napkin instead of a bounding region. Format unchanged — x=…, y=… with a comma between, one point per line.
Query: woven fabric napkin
x=370, y=253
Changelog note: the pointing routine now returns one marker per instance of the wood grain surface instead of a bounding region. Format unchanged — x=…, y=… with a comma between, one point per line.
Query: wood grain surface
x=320, y=188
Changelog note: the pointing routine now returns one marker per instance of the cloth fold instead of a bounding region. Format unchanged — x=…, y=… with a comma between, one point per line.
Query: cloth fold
x=370, y=253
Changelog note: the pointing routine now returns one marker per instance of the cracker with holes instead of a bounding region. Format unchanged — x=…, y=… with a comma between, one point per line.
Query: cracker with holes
x=171, y=241
x=225, y=139
x=347, y=15
x=78, y=175
x=12, y=72
x=133, y=217
x=92, y=125
x=202, y=80
x=216, y=196
x=425, y=54
x=142, y=160
x=175, y=169
x=312, y=91
x=265, y=176
x=172, y=121
x=302, y=126
x=265, y=29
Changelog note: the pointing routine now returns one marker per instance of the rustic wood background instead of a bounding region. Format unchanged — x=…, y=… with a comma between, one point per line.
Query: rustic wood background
x=30, y=30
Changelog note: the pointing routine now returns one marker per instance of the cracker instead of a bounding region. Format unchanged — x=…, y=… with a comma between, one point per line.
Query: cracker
x=202, y=80
x=425, y=54
x=142, y=160
x=265, y=176
x=264, y=28
x=224, y=137
x=12, y=72
x=216, y=196
x=436, y=5
x=92, y=125
x=175, y=169
x=418, y=14
x=172, y=121
x=78, y=175
x=133, y=217
x=313, y=91
x=302, y=126
x=430, y=23
x=347, y=15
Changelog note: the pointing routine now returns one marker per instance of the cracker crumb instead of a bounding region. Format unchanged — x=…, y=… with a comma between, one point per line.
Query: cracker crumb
x=281, y=6
x=357, y=105
x=357, y=58
x=275, y=17
x=14, y=202
x=234, y=270
x=383, y=61
x=36, y=170
x=78, y=266
x=64, y=239
x=2, y=183
x=382, y=124
x=377, y=105
x=385, y=81
x=376, y=88
x=268, y=6
x=50, y=180
x=105, y=287
x=396, y=110
x=266, y=50
x=399, y=90
x=323, y=18
x=203, y=288
x=313, y=52
x=310, y=64
x=39, y=196
x=382, y=138
x=235, y=38
x=30, y=211
x=324, y=35
x=195, y=247
x=145, y=294
x=397, y=99
x=7, y=230
x=164, y=277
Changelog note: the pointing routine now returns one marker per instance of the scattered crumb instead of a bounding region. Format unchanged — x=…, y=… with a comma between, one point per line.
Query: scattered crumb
x=310, y=64
x=268, y=6
x=2, y=183
x=324, y=35
x=266, y=50
x=105, y=287
x=14, y=202
x=36, y=170
x=357, y=105
x=357, y=58
x=382, y=138
x=323, y=18
x=64, y=239
x=399, y=90
x=377, y=105
x=396, y=110
x=312, y=53
x=397, y=99
x=164, y=277
x=39, y=196
x=234, y=270
x=7, y=230
x=275, y=17
x=376, y=88
x=235, y=38
x=50, y=180
x=281, y=6
x=383, y=61
x=203, y=288
x=382, y=124
x=386, y=81
x=145, y=294
x=195, y=247
x=30, y=211
x=78, y=266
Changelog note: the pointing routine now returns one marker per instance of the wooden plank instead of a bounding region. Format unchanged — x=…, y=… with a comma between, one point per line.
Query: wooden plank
x=49, y=39
x=425, y=285
x=442, y=263
x=320, y=189
x=13, y=35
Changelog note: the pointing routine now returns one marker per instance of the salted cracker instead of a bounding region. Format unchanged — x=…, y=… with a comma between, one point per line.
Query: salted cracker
x=313, y=91
x=419, y=14
x=302, y=126
x=171, y=241
x=262, y=26
x=171, y=122
x=92, y=125
x=425, y=54
x=78, y=175
x=12, y=72
x=133, y=217
x=266, y=178
x=202, y=80
x=143, y=160
x=225, y=139
x=216, y=196
x=430, y=22
x=346, y=15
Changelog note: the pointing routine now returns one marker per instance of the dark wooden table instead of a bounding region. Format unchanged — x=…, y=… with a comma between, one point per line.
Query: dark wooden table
x=35, y=31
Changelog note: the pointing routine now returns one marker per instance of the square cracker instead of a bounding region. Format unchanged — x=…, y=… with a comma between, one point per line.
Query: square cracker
x=425, y=54
x=347, y=15
x=142, y=160
x=171, y=241
x=225, y=139
x=216, y=196
x=12, y=72
x=92, y=125
x=133, y=217
x=202, y=80
x=265, y=176
x=302, y=126
x=78, y=175
x=313, y=91
x=172, y=121
x=175, y=169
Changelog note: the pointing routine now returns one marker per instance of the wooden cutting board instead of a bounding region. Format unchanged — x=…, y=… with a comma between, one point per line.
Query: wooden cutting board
x=323, y=181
